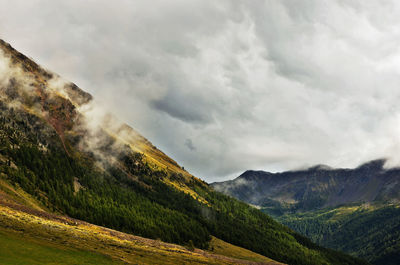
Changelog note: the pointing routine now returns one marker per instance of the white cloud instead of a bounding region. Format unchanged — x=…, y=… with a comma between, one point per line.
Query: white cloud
x=252, y=84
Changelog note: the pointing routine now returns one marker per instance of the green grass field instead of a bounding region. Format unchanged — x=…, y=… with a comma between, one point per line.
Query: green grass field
x=17, y=250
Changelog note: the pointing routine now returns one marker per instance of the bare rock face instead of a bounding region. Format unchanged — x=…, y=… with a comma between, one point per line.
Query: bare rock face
x=77, y=95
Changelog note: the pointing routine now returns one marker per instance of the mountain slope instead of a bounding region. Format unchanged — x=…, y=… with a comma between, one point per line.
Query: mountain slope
x=101, y=171
x=35, y=237
x=368, y=231
x=351, y=210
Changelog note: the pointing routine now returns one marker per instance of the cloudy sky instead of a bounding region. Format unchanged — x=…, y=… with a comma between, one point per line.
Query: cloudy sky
x=225, y=86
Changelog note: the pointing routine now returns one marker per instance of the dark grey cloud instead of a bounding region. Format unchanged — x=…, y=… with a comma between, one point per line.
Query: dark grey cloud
x=189, y=144
x=183, y=107
x=258, y=84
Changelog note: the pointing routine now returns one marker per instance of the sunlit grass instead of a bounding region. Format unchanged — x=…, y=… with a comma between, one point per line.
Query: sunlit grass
x=218, y=246
x=17, y=249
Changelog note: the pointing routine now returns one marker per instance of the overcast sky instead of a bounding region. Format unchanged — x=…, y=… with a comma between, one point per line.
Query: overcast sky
x=226, y=86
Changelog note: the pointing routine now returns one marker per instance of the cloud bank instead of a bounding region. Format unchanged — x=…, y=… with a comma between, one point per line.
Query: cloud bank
x=225, y=86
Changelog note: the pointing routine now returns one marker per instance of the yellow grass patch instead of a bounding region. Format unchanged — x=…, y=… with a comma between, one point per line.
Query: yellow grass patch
x=221, y=247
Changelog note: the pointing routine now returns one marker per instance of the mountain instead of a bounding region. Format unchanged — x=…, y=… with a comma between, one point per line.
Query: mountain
x=78, y=183
x=369, y=231
x=317, y=187
x=352, y=210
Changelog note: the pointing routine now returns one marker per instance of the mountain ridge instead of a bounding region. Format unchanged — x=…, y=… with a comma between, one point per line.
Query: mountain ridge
x=73, y=99
x=331, y=186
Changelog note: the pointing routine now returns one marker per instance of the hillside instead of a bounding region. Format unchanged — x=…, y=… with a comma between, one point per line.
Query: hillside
x=351, y=210
x=369, y=231
x=64, y=161
x=30, y=236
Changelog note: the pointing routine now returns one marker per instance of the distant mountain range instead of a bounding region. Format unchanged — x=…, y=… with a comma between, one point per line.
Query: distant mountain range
x=353, y=210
